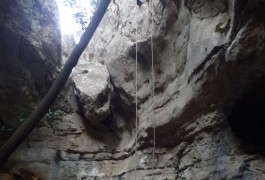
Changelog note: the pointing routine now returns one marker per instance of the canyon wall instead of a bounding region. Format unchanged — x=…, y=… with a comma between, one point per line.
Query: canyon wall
x=29, y=56
x=207, y=105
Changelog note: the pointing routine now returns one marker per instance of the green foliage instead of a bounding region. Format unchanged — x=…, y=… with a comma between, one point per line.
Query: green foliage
x=81, y=18
x=81, y=15
x=52, y=116
x=69, y=3
x=53, y=113
x=219, y=28
x=24, y=113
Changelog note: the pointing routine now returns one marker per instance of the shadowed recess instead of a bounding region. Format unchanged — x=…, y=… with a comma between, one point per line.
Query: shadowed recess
x=248, y=115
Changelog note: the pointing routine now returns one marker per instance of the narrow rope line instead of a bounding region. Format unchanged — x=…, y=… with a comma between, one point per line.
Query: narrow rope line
x=136, y=95
x=136, y=89
x=153, y=82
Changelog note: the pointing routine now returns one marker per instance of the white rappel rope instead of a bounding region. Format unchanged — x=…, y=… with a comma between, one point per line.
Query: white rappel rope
x=153, y=84
x=152, y=92
x=136, y=95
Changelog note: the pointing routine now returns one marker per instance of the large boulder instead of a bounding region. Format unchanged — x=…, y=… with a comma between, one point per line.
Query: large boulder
x=93, y=89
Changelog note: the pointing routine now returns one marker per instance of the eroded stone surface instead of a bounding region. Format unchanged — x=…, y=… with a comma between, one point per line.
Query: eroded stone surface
x=29, y=56
x=93, y=89
x=206, y=55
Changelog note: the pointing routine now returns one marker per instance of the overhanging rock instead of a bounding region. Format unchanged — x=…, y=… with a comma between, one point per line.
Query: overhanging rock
x=93, y=90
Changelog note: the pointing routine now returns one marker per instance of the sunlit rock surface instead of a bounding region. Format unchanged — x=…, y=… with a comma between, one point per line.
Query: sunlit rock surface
x=93, y=89
x=68, y=44
x=208, y=66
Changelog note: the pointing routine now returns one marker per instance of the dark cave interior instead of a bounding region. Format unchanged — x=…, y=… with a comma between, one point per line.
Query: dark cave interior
x=248, y=115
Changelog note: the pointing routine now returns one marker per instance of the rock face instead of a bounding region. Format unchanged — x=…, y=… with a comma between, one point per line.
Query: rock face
x=209, y=75
x=29, y=56
x=93, y=89
x=68, y=44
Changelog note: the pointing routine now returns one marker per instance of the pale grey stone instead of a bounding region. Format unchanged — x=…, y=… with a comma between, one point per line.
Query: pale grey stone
x=206, y=55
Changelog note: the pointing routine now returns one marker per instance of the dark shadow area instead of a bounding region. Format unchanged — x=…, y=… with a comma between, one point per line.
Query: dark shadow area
x=248, y=115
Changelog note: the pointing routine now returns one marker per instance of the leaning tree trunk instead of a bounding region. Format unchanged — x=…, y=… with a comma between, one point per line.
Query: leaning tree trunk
x=31, y=122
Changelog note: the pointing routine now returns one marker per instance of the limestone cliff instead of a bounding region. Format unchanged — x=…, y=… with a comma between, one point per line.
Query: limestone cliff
x=29, y=56
x=208, y=97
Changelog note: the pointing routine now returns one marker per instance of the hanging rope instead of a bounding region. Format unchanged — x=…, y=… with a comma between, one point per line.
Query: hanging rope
x=136, y=87
x=153, y=82
x=152, y=91
x=136, y=95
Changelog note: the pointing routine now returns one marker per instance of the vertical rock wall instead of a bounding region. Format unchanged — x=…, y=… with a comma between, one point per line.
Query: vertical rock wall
x=208, y=66
x=207, y=55
x=29, y=56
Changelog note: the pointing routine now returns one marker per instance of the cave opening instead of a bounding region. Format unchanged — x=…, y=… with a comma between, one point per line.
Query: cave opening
x=75, y=16
x=248, y=115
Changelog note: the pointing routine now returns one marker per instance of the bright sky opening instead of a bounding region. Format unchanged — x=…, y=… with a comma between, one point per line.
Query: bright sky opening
x=68, y=23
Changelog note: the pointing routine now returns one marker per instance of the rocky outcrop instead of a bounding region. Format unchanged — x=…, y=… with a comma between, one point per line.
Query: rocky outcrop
x=201, y=51
x=93, y=90
x=68, y=44
x=209, y=74
x=29, y=56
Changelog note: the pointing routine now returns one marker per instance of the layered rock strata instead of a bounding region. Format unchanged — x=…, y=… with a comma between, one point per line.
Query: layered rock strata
x=208, y=70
